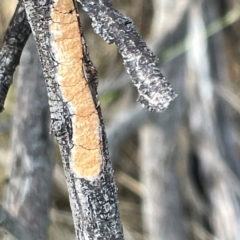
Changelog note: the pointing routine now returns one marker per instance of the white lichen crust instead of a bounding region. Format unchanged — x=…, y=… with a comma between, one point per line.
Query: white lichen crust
x=155, y=93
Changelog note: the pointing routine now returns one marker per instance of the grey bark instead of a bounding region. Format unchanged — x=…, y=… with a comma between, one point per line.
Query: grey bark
x=93, y=202
x=14, y=41
x=155, y=93
x=31, y=168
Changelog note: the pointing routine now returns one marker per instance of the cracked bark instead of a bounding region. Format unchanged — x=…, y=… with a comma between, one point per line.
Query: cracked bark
x=76, y=118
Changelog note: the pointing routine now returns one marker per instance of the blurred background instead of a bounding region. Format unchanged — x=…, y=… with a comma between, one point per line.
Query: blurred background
x=177, y=172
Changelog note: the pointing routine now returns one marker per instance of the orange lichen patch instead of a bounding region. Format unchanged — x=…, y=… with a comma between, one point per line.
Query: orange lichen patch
x=66, y=45
x=66, y=41
x=90, y=166
x=72, y=80
x=87, y=141
x=82, y=107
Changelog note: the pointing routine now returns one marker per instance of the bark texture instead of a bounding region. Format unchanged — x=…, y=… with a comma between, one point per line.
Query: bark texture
x=155, y=93
x=14, y=41
x=76, y=118
x=31, y=169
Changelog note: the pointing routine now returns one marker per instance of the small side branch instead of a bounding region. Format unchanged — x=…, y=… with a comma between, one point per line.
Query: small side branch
x=14, y=41
x=155, y=93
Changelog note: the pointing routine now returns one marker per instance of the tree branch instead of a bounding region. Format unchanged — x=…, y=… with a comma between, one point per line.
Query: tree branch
x=155, y=93
x=14, y=41
x=76, y=118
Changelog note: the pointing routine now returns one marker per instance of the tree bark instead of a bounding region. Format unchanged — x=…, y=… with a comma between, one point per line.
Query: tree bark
x=76, y=118
x=155, y=93
x=14, y=41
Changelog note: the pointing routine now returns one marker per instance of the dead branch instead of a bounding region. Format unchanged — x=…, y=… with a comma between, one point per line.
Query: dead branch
x=155, y=93
x=76, y=118
x=10, y=53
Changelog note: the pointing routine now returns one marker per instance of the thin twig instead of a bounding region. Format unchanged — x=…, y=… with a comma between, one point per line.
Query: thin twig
x=155, y=93
x=14, y=41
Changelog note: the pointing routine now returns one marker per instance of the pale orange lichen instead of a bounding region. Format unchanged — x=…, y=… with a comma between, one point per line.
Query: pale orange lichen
x=89, y=141
x=88, y=165
x=67, y=45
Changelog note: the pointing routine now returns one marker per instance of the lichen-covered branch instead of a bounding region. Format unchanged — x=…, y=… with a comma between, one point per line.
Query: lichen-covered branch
x=76, y=118
x=10, y=53
x=155, y=93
